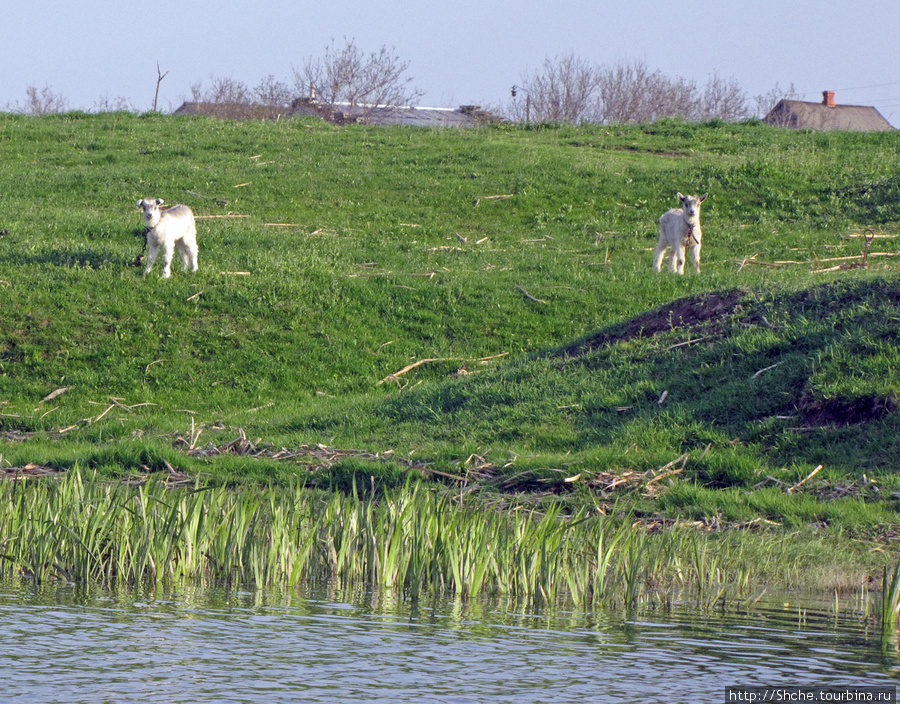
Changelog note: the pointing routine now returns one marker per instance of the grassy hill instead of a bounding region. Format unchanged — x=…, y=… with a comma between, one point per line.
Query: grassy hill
x=475, y=303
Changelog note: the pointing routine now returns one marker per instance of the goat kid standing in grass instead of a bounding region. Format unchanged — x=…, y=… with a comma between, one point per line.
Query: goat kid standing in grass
x=680, y=230
x=170, y=228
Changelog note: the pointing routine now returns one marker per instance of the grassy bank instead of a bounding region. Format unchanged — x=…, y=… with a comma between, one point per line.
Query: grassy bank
x=475, y=307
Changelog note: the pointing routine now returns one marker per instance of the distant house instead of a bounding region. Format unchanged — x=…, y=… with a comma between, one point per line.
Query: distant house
x=827, y=116
x=234, y=111
x=346, y=113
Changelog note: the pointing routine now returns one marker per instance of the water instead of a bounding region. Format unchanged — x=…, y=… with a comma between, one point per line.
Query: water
x=72, y=644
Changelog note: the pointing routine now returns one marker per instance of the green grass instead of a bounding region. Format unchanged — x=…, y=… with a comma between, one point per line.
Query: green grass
x=365, y=250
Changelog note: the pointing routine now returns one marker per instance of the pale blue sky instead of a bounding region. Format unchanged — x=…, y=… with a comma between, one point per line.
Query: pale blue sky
x=459, y=51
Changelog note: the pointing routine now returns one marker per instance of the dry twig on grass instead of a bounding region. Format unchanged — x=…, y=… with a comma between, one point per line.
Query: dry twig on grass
x=843, y=267
x=410, y=367
x=315, y=455
x=227, y=216
x=765, y=369
x=691, y=342
x=29, y=470
x=53, y=394
x=869, y=235
x=803, y=481
x=529, y=296
x=100, y=417
x=750, y=260
x=665, y=475
x=220, y=201
x=481, y=198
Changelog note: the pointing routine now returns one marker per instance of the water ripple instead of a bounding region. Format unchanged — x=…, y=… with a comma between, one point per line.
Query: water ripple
x=67, y=645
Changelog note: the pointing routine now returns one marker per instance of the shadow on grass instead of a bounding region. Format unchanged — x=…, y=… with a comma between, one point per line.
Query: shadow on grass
x=718, y=368
x=83, y=258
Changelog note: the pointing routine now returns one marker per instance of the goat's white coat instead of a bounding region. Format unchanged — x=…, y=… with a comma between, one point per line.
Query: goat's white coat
x=168, y=229
x=679, y=229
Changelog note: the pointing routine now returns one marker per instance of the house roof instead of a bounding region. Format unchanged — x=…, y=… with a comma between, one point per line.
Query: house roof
x=345, y=113
x=423, y=117
x=234, y=111
x=820, y=116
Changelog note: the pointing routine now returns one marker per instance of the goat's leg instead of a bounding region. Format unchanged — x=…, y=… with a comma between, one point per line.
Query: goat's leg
x=659, y=254
x=676, y=260
x=191, y=249
x=152, y=251
x=168, y=252
x=187, y=261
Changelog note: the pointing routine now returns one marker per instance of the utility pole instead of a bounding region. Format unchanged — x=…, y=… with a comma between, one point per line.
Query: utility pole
x=514, y=90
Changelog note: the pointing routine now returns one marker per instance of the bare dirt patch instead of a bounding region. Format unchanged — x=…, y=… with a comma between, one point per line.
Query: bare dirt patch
x=705, y=310
x=824, y=412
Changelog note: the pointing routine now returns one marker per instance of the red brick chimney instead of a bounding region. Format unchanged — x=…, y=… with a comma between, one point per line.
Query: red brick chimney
x=828, y=98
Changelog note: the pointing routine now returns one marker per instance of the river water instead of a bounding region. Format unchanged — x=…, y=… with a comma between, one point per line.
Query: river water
x=77, y=644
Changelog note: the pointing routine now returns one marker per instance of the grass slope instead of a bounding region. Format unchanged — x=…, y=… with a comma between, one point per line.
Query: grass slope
x=362, y=250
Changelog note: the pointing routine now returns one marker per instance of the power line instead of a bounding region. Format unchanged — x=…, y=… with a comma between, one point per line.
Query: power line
x=876, y=85
x=844, y=90
x=885, y=102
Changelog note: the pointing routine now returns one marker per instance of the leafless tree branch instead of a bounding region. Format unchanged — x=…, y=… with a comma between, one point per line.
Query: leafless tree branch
x=564, y=89
x=159, y=77
x=364, y=82
x=569, y=89
x=42, y=101
x=764, y=102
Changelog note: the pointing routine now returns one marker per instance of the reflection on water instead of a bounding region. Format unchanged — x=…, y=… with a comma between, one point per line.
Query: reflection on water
x=76, y=644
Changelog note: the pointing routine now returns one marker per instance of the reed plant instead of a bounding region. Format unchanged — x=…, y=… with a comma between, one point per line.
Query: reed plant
x=890, y=600
x=414, y=539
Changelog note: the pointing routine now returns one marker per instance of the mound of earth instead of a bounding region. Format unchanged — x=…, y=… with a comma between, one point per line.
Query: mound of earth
x=710, y=313
x=820, y=412
x=705, y=310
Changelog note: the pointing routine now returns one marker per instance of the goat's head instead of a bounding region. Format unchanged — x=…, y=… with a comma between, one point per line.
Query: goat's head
x=150, y=206
x=691, y=205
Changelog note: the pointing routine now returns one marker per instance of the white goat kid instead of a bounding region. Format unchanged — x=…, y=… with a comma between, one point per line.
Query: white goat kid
x=168, y=229
x=679, y=229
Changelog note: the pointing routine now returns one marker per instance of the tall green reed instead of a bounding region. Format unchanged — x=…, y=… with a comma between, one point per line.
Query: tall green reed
x=890, y=600
x=81, y=528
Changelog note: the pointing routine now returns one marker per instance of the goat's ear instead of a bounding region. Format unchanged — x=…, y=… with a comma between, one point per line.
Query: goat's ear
x=680, y=197
x=703, y=197
x=140, y=203
x=160, y=201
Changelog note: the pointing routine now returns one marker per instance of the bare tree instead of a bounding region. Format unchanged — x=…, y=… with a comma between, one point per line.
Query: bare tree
x=222, y=90
x=42, y=101
x=228, y=91
x=564, y=89
x=632, y=92
x=159, y=79
x=348, y=78
x=764, y=102
x=118, y=103
x=723, y=99
x=272, y=92
x=569, y=89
